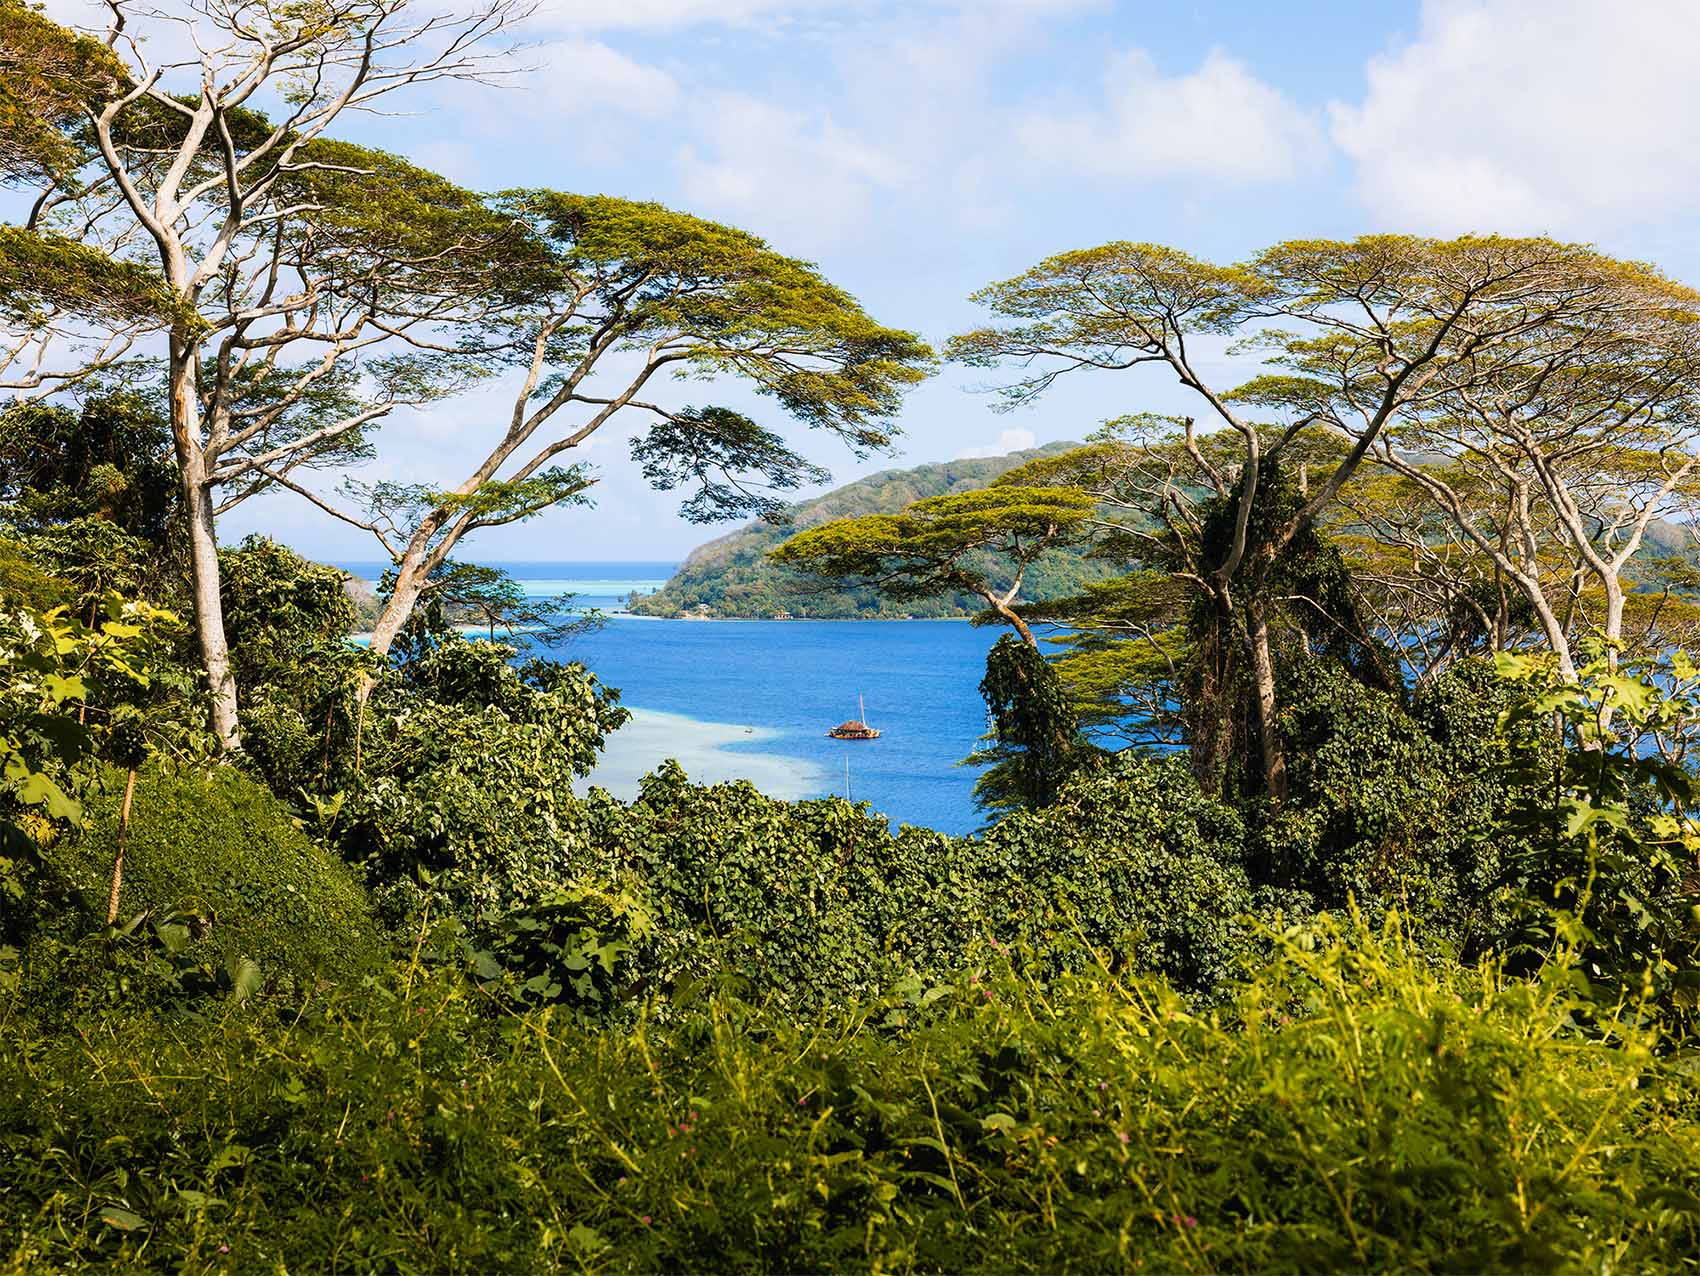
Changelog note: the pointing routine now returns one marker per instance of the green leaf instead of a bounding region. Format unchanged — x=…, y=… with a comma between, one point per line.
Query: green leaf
x=124, y=1220
x=246, y=978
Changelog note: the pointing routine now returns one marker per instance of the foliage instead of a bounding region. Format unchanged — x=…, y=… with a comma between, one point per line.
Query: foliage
x=1353, y=1108
x=474, y=594
x=1131, y=859
x=734, y=576
x=216, y=848
x=719, y=300
x=50, y=74
x=51, y=667
x=1608, y=816
x=713, y=448
x=978, y=542
x=1035, y=739
x=109, y=459
x=41, y=272
x=280, y=609
x=288, y=620
x=1394, y=805
x=570, y=947
x=1558, y=338
x=462, y=797
x=816, y=903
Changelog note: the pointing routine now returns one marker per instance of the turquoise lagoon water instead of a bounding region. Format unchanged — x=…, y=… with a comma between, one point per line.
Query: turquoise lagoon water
x=753, y=699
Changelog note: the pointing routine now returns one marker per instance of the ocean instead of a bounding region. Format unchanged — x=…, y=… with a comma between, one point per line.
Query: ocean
x=754, y=699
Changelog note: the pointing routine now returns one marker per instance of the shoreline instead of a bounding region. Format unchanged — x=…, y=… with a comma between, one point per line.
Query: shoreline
x=365, y=636
x=809, y=620
x=704, y=750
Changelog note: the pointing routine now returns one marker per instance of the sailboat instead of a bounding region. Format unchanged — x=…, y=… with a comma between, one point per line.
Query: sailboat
x=857, y=728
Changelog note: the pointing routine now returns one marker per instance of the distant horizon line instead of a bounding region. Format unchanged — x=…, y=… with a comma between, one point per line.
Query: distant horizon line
x=552, y=562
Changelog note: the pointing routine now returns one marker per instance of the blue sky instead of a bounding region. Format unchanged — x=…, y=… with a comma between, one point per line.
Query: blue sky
x=918, y=149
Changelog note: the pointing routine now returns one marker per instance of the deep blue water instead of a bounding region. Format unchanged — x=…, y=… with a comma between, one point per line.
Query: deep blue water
x=797, y=678
x=920, y=679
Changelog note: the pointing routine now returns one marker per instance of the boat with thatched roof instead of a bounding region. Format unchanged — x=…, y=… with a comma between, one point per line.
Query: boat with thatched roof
x=857, y=728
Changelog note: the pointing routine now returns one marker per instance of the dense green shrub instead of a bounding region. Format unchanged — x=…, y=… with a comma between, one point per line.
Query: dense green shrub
x=1392, y=803
x=216, y=845
x=816, y=903
x=1130, y=852
x=740, y=883
x=462, y=800
x=1353, y=1109
x=1607, y=818
x=1364, y=796
x=288, y=621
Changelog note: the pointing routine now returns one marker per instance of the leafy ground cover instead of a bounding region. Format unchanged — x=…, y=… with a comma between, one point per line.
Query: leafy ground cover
x=1353, y=1106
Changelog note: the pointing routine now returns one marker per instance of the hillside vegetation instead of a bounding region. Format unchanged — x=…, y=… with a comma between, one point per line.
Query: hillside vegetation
x=1375, y=949
x=732, y=577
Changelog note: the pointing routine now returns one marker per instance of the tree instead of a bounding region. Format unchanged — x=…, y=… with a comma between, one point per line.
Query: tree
x=110, y=459
x=1587, y=431
x=92, y=495
x=474, y=593
x=1035, y=741
x=49, y=73
x=980, y=542
x=264, y=254
x=1359, y=336
x=614, y=293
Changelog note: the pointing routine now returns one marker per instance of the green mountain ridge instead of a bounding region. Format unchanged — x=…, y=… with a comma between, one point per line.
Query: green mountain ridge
x=731, y=576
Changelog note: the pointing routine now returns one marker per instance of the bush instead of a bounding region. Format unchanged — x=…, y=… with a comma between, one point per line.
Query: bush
x=740, y=883
x=1392, y=805
x=1364, y=796
x=1132, y=857
x=216, y=845
x=1352, y=1109
x=815, y=903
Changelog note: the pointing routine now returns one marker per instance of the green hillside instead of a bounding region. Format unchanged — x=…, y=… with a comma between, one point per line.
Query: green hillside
x=731, y=575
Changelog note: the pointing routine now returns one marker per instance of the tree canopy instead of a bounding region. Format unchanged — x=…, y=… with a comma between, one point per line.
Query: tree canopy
x=620, y=292
x=980, y=542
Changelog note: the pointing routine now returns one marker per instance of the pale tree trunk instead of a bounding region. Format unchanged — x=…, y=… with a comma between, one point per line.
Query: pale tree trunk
x=118, y=855
x=1013, y=618
x=1553, y=628
x=412, y=574
x=1263, y=676
x=1614, y=614
x=198, y=506
x=409, y=585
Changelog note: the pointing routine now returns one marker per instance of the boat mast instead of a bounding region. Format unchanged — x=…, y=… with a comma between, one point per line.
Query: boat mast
x=862, y=709
x=847, y=797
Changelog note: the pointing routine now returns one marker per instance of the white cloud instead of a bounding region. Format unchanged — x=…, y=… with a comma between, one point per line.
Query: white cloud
x=1568, y=116
x=580, y=75
x=1012, y=440
x=661, y=15
x=908, y=119
x=797, y=176
x=1219, y=122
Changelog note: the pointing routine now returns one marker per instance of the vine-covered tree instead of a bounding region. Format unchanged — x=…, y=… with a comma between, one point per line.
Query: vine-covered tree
x=1035, y=742
x=1360, y=336
x=1157, y=646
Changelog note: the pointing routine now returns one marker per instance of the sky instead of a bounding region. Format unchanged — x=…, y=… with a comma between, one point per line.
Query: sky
x=920, y=149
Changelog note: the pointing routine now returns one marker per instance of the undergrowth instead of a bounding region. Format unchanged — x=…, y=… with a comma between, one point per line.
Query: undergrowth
x=1352, y=1106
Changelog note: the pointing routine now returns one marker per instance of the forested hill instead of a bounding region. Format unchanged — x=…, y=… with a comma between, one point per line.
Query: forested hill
x=731, y=575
